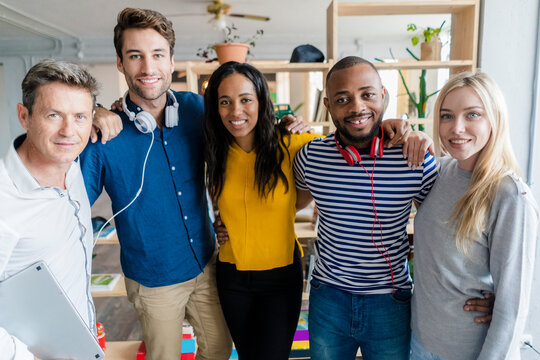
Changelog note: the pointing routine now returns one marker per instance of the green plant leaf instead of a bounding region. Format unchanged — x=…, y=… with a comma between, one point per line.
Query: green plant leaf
x=415, y=40
x=298, y=107
x=414, y=56
x=411, y=27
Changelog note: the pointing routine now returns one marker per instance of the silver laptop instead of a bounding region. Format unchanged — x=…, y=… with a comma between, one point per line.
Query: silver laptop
x=35, y=309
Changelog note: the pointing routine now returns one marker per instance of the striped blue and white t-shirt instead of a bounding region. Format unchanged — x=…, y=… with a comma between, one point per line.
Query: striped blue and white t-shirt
x=352, y=255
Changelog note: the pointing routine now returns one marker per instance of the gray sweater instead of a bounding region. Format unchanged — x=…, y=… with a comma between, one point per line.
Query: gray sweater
x=501, y=261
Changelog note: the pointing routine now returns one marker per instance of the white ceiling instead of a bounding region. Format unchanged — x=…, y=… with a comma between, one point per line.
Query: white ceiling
x=85, y=27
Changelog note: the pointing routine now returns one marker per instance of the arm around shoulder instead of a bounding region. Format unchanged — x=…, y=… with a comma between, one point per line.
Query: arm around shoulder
x=303, y=198
x=90, y=161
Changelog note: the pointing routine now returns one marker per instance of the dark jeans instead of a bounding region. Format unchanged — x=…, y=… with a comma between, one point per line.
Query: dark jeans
x=340, y=322
x=261, y=308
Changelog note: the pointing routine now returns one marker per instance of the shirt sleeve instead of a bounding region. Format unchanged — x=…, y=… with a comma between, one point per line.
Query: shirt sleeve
x=8, y=241
x=12, y=348
x=299, y=167
x=512, y=240
x=91, y=167
x=430, y=172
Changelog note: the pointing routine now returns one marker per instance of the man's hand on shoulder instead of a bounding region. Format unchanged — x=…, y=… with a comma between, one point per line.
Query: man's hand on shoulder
x=296, y=124
x=106, y=122
x=395, y=131
x=481, y=305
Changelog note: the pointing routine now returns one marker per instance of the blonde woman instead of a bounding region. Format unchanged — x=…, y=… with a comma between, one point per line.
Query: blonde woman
x=476, y=231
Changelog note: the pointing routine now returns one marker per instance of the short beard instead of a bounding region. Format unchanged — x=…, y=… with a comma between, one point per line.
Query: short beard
x=138, y=91
x=361, y=139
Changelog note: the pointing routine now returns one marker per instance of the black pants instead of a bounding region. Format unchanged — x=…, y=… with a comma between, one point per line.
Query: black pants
x=261, y=308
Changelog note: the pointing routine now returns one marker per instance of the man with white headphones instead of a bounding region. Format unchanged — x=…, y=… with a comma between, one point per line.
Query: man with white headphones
x=155, y=166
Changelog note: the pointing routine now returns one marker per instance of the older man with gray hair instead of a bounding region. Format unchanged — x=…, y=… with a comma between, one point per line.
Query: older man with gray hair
x=44, y=209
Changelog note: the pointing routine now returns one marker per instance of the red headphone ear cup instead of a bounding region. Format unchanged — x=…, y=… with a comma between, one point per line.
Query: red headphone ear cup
x=348, y=158
x=353, y=154
x=376, y=146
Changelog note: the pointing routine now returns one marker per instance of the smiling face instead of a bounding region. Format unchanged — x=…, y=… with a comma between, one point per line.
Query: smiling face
x=464, y=128
x=355, y=99
x=238, y=108
x=59, y=127
x=147, y=65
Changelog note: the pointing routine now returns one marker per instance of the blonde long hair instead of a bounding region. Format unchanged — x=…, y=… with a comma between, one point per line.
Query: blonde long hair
x=496, y=159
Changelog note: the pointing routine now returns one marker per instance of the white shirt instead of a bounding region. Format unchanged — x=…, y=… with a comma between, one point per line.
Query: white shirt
x=49, y=224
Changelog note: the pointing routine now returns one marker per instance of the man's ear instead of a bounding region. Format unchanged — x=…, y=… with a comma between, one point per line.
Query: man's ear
x=24, y=116
x=326, y=103
x=119, y=65
x=172, y=63
x=385, y=98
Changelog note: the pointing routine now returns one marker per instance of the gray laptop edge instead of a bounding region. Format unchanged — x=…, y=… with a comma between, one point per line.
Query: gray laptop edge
x=35, y=309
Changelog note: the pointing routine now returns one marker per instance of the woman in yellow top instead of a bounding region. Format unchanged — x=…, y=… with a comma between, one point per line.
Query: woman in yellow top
x=249, y=174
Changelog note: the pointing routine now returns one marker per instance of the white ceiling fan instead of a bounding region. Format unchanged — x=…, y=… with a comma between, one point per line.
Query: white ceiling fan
x=219, y=10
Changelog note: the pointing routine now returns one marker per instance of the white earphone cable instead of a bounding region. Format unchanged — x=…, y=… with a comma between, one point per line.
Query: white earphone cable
x=136, y=196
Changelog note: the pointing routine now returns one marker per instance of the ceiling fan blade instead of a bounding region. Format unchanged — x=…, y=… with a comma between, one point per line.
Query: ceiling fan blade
x=187, y=14
x=252, y=17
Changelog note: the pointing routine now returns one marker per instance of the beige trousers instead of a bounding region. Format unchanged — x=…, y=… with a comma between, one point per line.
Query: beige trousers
x=161, y=312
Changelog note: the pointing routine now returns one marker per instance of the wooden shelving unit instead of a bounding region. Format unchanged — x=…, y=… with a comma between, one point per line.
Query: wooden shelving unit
x=464, y=33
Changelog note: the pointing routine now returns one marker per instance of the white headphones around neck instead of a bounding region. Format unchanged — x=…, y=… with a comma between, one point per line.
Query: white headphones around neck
x=145, y=122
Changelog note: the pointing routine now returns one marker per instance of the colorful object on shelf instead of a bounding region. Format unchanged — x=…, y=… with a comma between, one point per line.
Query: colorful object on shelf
x=281, y=110
x=188, y=348
x=141, y=351
x=101, y=335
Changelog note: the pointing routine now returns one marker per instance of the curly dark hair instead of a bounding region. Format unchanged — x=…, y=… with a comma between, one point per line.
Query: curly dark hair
x=217, y=139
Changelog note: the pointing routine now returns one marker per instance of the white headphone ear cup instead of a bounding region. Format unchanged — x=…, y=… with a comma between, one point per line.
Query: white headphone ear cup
x=171, y=111
x=145, y=122
x=171, y=115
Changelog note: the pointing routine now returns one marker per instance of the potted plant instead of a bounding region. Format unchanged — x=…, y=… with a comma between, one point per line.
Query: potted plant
x=430, y=48
x=232, y=48
x=419, y=102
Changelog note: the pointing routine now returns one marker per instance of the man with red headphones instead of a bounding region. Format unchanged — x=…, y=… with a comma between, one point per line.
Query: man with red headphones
x=361, y=288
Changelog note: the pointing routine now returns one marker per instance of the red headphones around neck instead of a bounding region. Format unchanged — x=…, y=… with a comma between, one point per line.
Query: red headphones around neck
x=352, y=156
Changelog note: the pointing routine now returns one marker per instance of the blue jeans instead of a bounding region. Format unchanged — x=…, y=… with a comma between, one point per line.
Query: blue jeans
x=340, y=322
x=419, y=353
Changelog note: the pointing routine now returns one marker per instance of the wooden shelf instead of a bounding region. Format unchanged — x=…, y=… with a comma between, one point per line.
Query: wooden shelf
x=119, y=290
x=304, y=230
x=403, y=8
x=193, y=69
x=464, y=32
x=413, y=64
x=263, y=66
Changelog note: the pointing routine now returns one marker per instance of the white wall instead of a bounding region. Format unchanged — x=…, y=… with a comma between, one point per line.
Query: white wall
x=112, y=82
x=507, y=52
x=5, y=136
x=15, y=67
